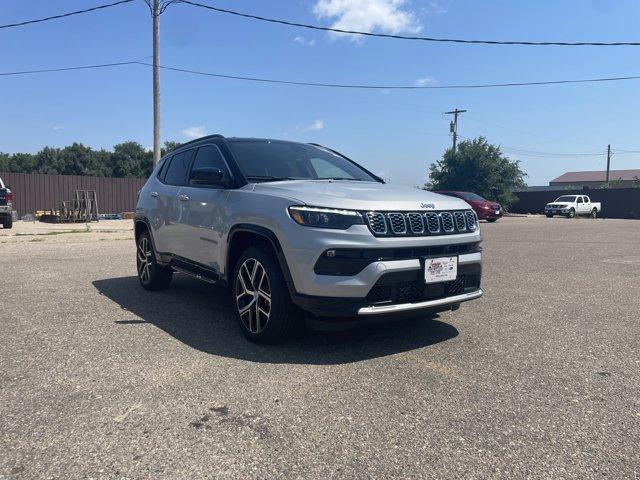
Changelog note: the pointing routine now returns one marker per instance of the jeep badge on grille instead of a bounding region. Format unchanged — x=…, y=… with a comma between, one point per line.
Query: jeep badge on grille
x=428, y=205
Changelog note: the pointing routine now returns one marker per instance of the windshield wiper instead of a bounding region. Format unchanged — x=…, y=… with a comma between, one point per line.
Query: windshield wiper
x=339, y=178
x=268, y=178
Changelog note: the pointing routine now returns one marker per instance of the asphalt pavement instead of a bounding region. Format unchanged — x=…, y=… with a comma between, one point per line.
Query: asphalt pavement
x=538, y=379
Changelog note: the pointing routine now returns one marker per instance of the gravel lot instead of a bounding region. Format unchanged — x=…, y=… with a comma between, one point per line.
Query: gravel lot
x=538, y=379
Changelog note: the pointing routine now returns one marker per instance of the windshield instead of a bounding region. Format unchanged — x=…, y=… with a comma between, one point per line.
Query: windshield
x=472, y=197
x=566, y=198
x=264, y=161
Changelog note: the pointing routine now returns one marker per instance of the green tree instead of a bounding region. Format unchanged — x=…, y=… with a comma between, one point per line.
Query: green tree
x=131, y=160
x=128, y=159
x=479, y=167
x=169, y=147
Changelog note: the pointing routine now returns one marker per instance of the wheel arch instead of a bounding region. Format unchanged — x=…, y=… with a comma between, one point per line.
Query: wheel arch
x=141, y=224
x=243, y=235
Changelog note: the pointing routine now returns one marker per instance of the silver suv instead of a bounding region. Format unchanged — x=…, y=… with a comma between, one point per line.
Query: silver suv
x=300, y=231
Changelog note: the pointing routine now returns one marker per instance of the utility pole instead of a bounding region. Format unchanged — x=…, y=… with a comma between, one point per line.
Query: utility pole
x=155, y=13
x=453, y=128
x=608, y=161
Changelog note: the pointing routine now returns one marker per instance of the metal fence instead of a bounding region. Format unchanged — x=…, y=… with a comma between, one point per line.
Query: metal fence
x=36, y=191
x=616, y=202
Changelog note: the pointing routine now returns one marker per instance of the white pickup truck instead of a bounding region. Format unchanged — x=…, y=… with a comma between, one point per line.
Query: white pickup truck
x=572, y=205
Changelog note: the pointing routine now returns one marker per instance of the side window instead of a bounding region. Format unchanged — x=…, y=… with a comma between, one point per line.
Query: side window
x=586, y=199
x=177, y=170
x=210, y=156
x=579, y=199
x=325, y=169
x=163, y=168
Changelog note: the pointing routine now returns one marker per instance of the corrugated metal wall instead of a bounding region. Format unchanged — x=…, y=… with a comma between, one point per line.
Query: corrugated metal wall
x=36, y=191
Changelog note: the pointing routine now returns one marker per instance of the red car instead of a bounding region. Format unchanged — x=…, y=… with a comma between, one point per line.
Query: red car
x=486, y=210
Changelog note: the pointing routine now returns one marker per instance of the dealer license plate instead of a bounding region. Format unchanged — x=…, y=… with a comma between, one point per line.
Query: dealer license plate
x=443, y=269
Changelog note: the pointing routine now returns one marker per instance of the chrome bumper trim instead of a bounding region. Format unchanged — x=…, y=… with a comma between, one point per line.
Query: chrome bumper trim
x=402, y=307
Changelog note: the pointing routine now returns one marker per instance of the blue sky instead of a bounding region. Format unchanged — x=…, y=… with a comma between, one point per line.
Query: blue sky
x=397, y=133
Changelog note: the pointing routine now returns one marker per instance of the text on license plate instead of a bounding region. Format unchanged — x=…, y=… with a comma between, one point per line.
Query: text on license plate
x=443, y=269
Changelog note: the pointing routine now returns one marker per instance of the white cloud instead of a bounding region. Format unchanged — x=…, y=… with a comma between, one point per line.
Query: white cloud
x=57, y=128
x=423, y=82
x=307, y=42
x=194, y=132
x=315, y=126
x=386, y=16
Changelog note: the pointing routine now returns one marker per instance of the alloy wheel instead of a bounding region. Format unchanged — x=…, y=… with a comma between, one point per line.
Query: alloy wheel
x=144, y=260
x=253, y=295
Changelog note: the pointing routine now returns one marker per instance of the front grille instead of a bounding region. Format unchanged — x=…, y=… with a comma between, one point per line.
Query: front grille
x=421, y=224
x=461, y=225
x=389, y=291
x=433, y=222
x=377, y=223
x=398, y=224
x=416, y=223
x=472, y=221
x=446, y=218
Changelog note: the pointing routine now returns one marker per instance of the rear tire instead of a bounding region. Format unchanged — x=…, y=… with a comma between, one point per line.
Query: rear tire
x=491, y=220
x=594, y=213
x=549, y=215
x=572, y=213
x=8, y=222
x=261, y=298
x=151, y=275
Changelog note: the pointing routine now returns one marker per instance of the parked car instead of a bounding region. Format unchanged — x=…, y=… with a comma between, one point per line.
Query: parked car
x=6, y=205
x=293, y=227
x=572, y=205
x=485, y=209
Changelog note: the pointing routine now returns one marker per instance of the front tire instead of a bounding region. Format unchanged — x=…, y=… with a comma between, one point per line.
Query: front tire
x=261, y=298
x=492, y=220
x=549, y=215
x=151, y=275
x=572, y=213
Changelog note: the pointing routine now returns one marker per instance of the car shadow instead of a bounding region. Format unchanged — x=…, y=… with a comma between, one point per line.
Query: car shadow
x=200, y=315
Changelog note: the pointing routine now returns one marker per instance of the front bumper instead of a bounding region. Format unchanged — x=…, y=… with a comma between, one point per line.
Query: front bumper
x=425, y=305
x=556, y=211
x=489, y=214
x=385, y=287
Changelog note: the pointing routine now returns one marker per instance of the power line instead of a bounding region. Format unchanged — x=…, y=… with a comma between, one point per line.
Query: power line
x=63, y=15
x=390, y=87
x=328, y=85
x=404, y=37
x=535, y=153
x=65, y=69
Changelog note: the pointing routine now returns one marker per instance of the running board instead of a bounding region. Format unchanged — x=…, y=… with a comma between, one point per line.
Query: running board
x=194, y=275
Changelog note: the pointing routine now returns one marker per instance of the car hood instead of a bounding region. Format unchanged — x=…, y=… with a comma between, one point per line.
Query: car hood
x=359, y=195
x=560, y=204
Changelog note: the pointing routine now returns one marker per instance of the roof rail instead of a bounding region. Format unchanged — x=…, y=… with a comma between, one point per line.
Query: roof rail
x=215, y=135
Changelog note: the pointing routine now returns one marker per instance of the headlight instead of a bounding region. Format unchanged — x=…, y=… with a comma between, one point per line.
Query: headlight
x=325, y=217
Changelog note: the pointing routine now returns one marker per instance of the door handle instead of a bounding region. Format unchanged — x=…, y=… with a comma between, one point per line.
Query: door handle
x=154, y=194
x=183, y=198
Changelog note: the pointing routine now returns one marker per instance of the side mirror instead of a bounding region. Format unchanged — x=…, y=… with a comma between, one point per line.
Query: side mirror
x=208, y=176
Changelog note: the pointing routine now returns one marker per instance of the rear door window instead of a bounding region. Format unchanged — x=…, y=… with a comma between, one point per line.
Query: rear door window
x=176, y=173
